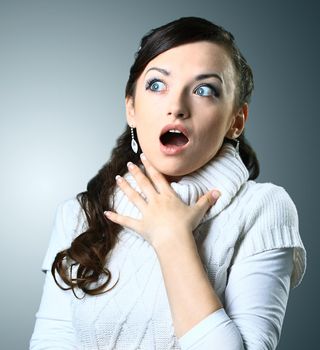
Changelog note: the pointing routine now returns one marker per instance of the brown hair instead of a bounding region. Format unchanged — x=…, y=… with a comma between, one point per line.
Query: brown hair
x=88, y=252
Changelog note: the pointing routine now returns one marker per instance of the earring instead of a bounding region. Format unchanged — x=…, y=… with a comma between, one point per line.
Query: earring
x=134, y=144
x=237, y=146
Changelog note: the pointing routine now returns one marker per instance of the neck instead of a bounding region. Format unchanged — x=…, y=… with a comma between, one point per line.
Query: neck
x=170, y=178
x=225, y=172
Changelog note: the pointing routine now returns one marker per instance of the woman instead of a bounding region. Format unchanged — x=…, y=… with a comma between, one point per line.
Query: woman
x=174, y=245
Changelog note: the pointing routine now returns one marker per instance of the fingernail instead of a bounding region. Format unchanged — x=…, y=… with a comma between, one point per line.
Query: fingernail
x=118, y=178
x=215, y=194
x=107, y=213
x=142, y=156
x=130, y=165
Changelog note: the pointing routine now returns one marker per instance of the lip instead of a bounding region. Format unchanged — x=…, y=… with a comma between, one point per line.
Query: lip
x=173, y=149
x=179, y=127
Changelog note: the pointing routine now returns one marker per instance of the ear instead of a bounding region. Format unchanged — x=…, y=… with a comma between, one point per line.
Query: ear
x=238, y=122
x=130, y=111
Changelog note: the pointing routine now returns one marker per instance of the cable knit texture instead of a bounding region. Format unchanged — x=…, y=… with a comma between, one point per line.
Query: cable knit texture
x=247, y=219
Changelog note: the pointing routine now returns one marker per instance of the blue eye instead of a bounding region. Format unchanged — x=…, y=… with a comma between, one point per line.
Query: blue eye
x=155, y=85
x=207, y=90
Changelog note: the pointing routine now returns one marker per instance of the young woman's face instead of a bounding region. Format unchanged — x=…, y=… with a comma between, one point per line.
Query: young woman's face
x=184, y=107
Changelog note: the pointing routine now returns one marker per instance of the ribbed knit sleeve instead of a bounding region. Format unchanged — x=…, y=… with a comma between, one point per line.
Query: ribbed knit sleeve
x=271, y=222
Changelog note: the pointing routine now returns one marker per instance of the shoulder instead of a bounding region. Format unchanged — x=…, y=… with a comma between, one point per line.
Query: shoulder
x=266, y=191
x=68, y=223
x=71, y=214
x=270, y=221
x=268, y=203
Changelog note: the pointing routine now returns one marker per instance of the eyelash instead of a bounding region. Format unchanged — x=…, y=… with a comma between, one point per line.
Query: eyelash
x=151, y=81
x=215, y=91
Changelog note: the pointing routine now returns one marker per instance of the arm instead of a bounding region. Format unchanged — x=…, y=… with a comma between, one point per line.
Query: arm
x=168, y=224
x=195, y=307
x=255, y=302
x=53, y=328
x=190, y=293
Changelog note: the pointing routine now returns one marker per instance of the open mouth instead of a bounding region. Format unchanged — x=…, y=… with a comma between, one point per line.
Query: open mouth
x=173, y=137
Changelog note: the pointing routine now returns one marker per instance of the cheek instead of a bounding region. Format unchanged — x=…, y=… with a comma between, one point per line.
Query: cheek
x=210, y=138
x=213, y=129
x=147, y=132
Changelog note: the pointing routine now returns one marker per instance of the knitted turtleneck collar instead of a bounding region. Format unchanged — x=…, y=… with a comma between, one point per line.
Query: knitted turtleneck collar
x=225, y=172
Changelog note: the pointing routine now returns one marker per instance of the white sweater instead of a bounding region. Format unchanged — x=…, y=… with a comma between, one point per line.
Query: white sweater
x=250, y=247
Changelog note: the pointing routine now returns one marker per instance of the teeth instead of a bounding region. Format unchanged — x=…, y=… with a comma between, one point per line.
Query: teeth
x=175, y=131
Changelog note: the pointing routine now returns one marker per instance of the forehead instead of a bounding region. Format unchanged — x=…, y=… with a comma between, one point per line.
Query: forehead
x=192, y=57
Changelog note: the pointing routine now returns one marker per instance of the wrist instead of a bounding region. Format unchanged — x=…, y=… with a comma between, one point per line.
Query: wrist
x=179, y=240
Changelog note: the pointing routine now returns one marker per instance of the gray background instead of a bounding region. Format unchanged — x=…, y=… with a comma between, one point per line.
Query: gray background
x=63, y=69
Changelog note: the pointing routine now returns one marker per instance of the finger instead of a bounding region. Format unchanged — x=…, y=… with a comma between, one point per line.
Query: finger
x=124, y=221
x=156, y=177
x=143, y=182
x=207, y=201
x=132, y=194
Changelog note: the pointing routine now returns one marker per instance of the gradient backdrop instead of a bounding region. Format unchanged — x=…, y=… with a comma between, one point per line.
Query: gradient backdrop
x=63, y=69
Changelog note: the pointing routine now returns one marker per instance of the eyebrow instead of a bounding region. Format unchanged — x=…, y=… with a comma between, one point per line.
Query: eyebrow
x=198, y=77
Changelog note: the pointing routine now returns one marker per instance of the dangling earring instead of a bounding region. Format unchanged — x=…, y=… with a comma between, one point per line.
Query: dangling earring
x=134, y=144
x=237, y=146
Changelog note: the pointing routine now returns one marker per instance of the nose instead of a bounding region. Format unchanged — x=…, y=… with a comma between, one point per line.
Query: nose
x=178, y=107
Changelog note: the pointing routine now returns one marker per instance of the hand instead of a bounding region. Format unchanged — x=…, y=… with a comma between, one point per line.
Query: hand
x=164, y=215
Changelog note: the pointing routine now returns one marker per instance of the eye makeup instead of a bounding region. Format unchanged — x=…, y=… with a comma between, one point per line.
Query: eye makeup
x=213, y=88
x=215, y=91
x=151, y=81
